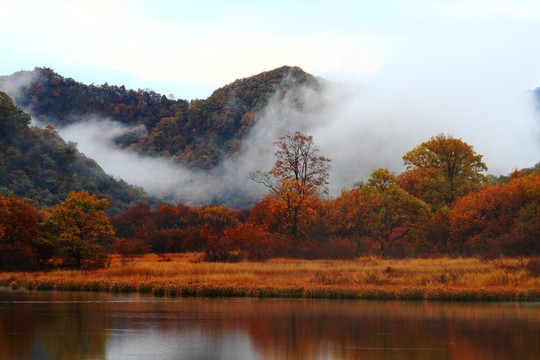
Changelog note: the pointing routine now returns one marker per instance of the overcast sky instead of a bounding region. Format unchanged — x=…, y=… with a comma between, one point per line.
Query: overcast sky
x=190, y=48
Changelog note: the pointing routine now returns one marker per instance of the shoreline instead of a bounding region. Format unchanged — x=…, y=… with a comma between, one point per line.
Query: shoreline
x=186, y=275
x=226, y=291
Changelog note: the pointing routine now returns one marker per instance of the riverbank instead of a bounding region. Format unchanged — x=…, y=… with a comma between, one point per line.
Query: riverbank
x=461, y=279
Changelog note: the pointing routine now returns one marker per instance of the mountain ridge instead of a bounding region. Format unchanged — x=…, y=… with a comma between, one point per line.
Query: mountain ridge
x=197, y=133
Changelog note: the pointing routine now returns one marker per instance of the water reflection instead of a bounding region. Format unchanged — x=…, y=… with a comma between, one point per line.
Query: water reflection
x=40, y=325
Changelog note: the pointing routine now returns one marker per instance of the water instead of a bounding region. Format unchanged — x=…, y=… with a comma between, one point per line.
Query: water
x=64, y=325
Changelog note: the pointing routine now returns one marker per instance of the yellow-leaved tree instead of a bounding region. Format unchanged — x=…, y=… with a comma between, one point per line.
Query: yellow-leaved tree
x=442, y=170
x=80, y=230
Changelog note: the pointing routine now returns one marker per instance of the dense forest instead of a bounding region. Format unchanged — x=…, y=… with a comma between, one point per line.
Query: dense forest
x=196, y=133
x=37, y=164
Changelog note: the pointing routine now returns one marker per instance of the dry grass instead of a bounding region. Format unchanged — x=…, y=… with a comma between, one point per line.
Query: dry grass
x=365, y=277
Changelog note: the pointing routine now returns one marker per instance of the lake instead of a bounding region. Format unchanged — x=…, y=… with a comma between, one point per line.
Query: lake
x=77, y=325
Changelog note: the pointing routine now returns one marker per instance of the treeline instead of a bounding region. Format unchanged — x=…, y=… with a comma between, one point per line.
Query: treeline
x=38, y=164
x=196, y=133
x=441, y=205
x=502, y=219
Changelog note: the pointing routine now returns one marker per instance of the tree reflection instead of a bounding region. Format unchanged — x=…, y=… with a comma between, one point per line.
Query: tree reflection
x=92, y=326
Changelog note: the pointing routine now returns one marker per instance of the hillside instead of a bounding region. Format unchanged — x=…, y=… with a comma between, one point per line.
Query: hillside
x=196, y=133
x=37, y=164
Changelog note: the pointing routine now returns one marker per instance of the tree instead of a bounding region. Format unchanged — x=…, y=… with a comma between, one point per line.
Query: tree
x=297, y=161
x=502, y=219
x=398, y=215
x=79, y=229
x=351, y=216
x=381, y=179
x=129, y=249
x=215, y=220
x=18, y=235
x=299, y=174
x=252, y=240
x=448, y=168
x=13, y=120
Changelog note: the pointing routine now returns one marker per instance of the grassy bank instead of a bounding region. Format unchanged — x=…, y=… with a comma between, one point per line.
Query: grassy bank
x=363, y=278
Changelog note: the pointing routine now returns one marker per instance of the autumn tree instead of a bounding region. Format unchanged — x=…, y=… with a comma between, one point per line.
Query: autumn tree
x=252, y=240
x=398, y=215
x=129, y=249
x=502, y=219
x=299, y=173
x=215, y=220
x=80, y=230
x=18, y=235
x=351, y=217
x=297, y=161
x=444, y=168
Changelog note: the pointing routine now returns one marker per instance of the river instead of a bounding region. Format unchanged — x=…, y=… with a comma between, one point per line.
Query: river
x=78, y=325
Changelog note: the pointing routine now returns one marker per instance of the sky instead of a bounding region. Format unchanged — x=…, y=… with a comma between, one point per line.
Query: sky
x=399, y=72
x=190, y=48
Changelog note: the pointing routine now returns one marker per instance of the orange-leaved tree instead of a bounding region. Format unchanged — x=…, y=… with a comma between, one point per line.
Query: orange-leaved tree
x=351, y=217
x=502, y=219
x=215, y=220
x=19, y=243
x=251, y=240
x=299, y=173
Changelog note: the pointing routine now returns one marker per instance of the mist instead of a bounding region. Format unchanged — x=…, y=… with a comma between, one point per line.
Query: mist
x=159, y=177
x=361, y=125
x=13, y=84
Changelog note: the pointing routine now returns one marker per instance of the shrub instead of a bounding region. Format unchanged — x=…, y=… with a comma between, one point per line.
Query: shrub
x=129, y=249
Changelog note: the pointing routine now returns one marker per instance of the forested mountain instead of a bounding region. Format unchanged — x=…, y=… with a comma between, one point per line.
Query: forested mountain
x=37, y=164
x=197, y=133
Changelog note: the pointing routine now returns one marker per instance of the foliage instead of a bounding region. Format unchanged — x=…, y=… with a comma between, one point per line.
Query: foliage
x=299, y=175
x=79, y=230
x=445, y=169
x=19, y=245
x=38, y=164
x=298, y=166
x=175, y=229
x=129, y=249
x=501, y=219
x=386, y=216
x=197, y=133
x=351, y=216
x=398, y=215
x=252, y=240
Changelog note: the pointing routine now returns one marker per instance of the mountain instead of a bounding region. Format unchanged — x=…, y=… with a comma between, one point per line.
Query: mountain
x=197, y=133
x=37, y=164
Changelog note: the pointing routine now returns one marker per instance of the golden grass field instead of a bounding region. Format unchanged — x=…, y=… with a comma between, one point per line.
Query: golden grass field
x=365, y=277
